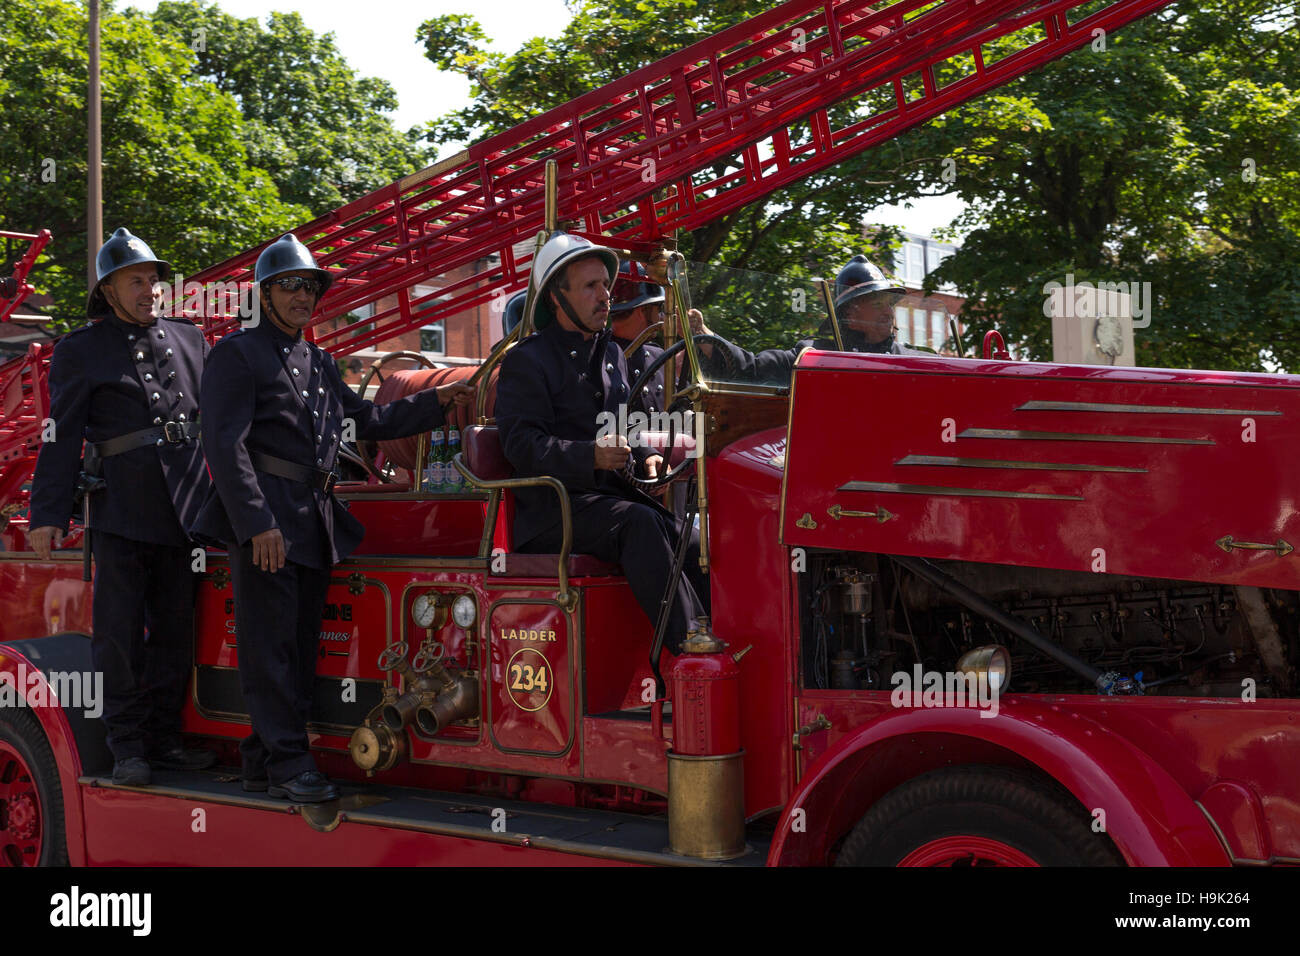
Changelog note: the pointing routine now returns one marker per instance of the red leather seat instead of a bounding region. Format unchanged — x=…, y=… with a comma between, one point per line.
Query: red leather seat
x=484, y=456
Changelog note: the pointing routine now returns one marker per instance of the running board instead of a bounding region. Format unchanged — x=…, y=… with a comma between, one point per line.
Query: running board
x=598, y=834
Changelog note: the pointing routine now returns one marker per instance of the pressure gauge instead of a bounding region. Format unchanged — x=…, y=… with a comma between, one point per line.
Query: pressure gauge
x=462, y=611
x=428, y=610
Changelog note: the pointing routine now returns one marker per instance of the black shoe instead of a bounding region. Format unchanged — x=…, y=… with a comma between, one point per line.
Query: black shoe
x=254, y=784
x=181, y=758
x=310, y=786
x=132, y=772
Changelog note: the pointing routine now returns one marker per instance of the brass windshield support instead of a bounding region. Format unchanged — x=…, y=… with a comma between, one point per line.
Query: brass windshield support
x=828, y=297
x=552, y=202
x=677, y=290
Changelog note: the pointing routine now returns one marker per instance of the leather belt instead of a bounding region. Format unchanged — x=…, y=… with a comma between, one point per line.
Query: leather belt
x=318, y=478
x=173, y=433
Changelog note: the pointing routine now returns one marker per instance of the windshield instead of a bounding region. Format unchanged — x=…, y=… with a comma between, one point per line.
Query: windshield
x=755, y=323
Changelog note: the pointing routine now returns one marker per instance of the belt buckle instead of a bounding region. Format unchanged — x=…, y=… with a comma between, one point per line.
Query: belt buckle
x=174, y=432
x=331, y=478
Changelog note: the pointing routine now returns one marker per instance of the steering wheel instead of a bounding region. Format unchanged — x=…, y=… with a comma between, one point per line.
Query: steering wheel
x=366, y=451
x=680, y=404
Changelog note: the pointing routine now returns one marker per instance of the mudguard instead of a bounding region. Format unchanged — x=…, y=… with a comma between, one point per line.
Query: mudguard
x=1148, y=816
x=77, y=741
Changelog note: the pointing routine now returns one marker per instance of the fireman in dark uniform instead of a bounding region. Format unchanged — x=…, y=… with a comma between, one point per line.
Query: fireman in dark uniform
x=554, y=387
x=129, y=383
x=635, y=305
x=864, y=303
x=275, y=413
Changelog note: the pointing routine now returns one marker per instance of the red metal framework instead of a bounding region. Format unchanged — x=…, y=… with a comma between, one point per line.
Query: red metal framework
x=636, y=156
x=16, y=287
x=639, y=157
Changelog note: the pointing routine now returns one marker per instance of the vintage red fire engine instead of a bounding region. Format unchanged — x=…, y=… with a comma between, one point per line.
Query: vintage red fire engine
x=965, y=611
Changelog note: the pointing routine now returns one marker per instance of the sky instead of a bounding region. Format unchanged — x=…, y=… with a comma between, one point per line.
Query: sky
x=378, y=39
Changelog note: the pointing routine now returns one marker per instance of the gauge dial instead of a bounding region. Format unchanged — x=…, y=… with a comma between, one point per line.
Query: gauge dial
x=463, y=611
x=424, y=611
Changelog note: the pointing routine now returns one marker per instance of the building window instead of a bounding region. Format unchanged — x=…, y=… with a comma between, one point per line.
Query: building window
x=433, y=339
x=903, y=324
x=913, y=263
x=938, y=330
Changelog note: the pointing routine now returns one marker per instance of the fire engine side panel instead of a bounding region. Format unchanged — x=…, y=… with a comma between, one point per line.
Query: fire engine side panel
x=43, y=597
x=133, y=828
x=531, y=700
x=399, y=523
x=365, y=613
x=1124, y=470
x=752, y=601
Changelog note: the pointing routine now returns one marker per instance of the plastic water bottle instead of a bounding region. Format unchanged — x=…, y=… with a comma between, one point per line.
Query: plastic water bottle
x=434, y=472
x=453, y=480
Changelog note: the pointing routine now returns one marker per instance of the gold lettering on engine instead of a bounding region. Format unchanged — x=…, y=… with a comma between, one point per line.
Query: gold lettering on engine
x=535, y=635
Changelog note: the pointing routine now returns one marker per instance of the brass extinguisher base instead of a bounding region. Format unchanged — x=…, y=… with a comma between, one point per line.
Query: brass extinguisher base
x=706, y=806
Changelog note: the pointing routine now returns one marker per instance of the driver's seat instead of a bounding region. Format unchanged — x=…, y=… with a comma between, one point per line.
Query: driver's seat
x=483, y=462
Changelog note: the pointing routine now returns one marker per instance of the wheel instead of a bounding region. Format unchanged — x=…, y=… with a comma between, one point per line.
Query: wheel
x=31, y=801
x=976, y=816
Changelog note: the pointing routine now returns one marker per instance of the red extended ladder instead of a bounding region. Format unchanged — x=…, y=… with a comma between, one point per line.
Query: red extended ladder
x=636, y=157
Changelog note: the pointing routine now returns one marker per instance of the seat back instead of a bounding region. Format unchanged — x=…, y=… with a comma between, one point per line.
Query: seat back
x=483, y=453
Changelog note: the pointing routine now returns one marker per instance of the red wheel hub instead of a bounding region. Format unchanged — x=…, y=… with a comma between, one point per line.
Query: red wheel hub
x=20, y=811
x=966, y=850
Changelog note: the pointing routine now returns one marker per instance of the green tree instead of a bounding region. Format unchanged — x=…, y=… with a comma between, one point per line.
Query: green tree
x=175, y=168
x=1168, y=158
x=205, y=153
x=316, y=126
x=1122, y=163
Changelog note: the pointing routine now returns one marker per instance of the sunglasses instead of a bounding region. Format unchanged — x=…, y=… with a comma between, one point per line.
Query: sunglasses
x=294, y=283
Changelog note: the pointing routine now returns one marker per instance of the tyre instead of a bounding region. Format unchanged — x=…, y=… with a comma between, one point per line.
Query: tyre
x=977, y=816
x=31, y=800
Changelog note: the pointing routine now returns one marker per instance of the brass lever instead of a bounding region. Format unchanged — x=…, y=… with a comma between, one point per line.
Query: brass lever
x=1281, y=547
x=807, y=730
x=880, y=514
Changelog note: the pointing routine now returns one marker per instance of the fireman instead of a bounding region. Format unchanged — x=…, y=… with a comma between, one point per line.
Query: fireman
x=637, y=304
x=129, y=383
x=555, y=388
x=275, y=411
x=864, y=303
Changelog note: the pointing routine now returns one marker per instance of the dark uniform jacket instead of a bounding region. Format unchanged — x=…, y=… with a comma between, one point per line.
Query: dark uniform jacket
x=652, y=396
x=776, y=366
x=282, y=396
x=109, y=379
x=553, y=387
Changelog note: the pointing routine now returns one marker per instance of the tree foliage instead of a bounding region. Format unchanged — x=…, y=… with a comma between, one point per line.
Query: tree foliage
x=1162, y=154
x=201, y=158
x=308, y=117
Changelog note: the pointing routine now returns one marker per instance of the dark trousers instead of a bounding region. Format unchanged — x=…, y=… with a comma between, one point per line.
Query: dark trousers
x=642, y=540
x=277, y=625
x=143, y=640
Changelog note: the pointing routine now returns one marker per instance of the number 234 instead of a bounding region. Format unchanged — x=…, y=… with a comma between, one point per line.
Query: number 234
x=524, y=677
